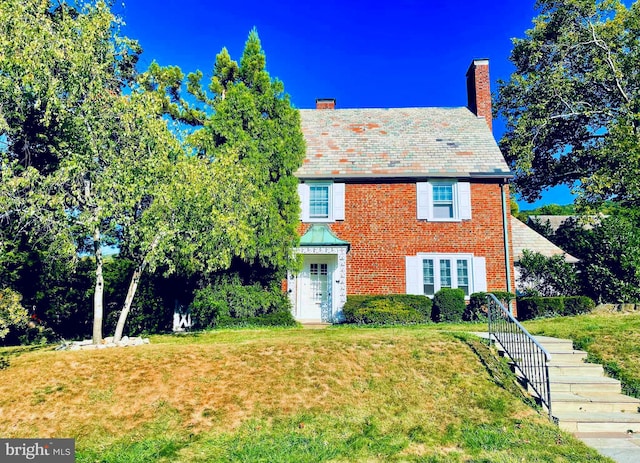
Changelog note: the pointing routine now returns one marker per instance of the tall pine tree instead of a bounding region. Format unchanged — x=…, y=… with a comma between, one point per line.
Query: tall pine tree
x=252, y=130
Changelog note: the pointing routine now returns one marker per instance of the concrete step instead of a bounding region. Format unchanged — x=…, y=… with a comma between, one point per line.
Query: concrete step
x=575, y=369
x=555, y=344
x=580, y=422
x=569, y=357
x=594, y=402
x=580, y=384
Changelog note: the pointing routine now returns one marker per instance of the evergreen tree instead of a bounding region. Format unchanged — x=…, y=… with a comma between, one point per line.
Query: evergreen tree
x=252, y=130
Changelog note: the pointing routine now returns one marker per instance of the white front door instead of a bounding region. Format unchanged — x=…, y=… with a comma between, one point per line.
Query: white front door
x=315, y=301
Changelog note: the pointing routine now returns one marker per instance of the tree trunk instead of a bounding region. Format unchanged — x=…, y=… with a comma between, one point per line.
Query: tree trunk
x=133, y=287
x=98, y=309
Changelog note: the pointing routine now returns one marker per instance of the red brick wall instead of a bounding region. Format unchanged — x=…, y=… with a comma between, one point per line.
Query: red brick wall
x=381, y=225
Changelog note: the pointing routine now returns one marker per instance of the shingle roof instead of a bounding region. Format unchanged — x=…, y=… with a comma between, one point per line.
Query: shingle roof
x=399, y=142
x=523, y=237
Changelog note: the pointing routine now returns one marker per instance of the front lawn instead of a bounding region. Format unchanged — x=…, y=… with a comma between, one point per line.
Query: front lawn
x=342, y=394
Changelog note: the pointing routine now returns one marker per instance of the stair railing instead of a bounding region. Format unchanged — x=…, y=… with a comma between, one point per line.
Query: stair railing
x=528, y=356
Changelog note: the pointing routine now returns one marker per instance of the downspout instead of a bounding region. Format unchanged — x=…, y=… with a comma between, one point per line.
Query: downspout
x=505, y=227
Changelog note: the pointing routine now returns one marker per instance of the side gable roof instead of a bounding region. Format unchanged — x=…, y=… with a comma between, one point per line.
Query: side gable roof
x=556, y=221
x=523, y=237
x=399, y=142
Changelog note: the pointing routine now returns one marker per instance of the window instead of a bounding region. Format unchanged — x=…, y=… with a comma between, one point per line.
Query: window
x=445, y=273
x=444, y=200
x=321, y=201
x=462, y=265
x=428, y=280
x=428, y=273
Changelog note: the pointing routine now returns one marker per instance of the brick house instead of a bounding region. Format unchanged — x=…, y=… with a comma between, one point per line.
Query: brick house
x=401, y=200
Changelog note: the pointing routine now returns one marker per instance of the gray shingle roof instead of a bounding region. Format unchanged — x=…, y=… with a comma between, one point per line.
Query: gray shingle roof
x=523, y=237
x=399, y=142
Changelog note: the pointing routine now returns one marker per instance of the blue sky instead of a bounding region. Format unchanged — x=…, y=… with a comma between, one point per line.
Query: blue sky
x=400, y=53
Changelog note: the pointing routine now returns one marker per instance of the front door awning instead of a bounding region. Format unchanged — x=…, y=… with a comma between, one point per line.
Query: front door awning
x=321, y=235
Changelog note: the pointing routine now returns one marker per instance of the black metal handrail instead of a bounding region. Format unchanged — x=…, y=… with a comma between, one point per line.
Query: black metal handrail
x=529, y=357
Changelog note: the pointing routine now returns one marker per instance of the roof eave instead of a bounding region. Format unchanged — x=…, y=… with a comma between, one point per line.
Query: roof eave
x=412, y=176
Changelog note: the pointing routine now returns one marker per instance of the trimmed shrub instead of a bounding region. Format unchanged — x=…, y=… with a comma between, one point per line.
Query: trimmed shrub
x=476, y=309
x=271, y=319
x=538, y=307
x=230, y=303
x=448, y=305
x=576, y=305
x=535, y=307
x=387, y=309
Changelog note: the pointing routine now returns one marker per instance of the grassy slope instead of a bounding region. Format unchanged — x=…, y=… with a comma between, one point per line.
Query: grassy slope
x=610, y=339
x=340, y=394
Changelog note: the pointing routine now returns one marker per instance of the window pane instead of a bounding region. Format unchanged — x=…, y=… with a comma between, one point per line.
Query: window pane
x=428, y=277
x=445, y=273
x=443, y=192
x=442, y=211
x=319, y=201
x=463, y=275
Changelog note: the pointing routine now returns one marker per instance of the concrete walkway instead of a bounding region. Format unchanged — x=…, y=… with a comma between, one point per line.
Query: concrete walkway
x=620, y=448
x=590, y=405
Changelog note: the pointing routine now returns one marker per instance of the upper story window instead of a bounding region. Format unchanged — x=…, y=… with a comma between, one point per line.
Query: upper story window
x=443, y=206
x=444, y=200
x=321, y=201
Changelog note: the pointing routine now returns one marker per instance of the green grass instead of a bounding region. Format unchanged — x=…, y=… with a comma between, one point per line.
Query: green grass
x=612, y=340
x=341, y=394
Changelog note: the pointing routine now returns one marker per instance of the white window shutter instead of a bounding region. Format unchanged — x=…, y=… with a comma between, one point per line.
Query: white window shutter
x=414, y=275
x=338, y=201
x=464, y=200
x=424, y=204
x=303, y=192
x=479, y=274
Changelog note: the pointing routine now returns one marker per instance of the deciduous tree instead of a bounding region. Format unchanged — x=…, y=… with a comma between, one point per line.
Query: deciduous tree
x=572, y=106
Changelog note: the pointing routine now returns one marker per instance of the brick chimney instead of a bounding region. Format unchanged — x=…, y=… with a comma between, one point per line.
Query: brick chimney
x=479, y=90
x=325, y=103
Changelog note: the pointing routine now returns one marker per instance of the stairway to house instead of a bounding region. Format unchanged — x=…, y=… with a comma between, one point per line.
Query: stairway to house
x=591, y=405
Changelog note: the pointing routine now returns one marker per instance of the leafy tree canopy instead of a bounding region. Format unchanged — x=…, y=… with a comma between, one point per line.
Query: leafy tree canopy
x=572, y=106
x=244, y=122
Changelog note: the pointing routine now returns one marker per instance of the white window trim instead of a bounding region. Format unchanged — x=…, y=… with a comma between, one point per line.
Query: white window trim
x=414, y=269
x=461, y=196
x=336, y=201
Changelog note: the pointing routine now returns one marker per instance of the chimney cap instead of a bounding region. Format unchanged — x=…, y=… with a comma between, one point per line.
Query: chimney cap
x=478, y=62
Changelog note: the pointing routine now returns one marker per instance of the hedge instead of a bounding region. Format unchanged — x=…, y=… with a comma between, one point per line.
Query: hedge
x=391, y=309
x=536, y=307
x=230, y=303
x=476, y=309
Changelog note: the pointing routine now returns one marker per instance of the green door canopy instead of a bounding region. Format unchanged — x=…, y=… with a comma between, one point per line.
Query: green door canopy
x=320, y=235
